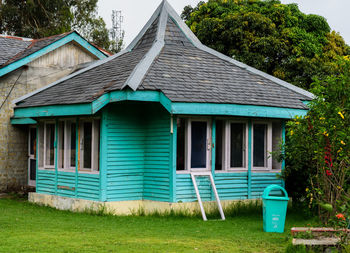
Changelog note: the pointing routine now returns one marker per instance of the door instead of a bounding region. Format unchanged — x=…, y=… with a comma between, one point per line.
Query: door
x=32, y=156
x=199, y=147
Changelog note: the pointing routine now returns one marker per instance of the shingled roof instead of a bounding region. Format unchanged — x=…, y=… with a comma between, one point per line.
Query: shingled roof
x=166, y=56
x=15, y=48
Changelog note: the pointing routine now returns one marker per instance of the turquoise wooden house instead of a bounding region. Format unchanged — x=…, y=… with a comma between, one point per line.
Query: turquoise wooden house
x=130, y=129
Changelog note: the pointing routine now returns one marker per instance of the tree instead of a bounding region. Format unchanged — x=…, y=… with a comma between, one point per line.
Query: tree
x=37, y=19
x=276, y=38
x=318, y=147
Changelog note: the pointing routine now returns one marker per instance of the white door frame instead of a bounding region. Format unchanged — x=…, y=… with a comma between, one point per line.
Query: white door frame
x=30, y=157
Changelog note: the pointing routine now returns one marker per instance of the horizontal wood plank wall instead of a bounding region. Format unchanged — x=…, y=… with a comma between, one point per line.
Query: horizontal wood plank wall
x=45, y=182
x=125, y=152
x=185, y=190
x=261, y=180
x=86, y=187
x=156, y=181
x=232, y=185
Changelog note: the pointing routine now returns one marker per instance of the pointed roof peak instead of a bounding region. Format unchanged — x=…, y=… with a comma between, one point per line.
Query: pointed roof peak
x=163, y=13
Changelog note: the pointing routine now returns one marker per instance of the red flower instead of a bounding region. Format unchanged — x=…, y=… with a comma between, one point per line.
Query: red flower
x=328, y=172
x=340, y=216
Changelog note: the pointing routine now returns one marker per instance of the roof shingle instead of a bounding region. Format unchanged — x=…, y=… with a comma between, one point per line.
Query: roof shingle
x=183, y=70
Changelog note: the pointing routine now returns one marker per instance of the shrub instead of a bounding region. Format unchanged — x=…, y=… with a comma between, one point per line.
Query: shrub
x=318, y=148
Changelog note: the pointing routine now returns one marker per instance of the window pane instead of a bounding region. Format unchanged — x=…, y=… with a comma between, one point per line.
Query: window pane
x=276, y=144
x=198, y=144
x=72, y=144
x=32, y=169
x=61, y=131
x=180, y=146
x=96, y=148
x=237, y=145
x=87, y=138
x=259, y=148
x=32, y=143
x=50, y=140
x=218, y=144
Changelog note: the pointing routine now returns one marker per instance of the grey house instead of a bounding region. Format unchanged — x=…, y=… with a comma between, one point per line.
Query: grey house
x=25, y=66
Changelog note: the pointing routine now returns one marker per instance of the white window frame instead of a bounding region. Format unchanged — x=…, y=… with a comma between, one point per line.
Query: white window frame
x=227, y=146
x=54, y=153
x=188, y=142
x=268, y=146
x=67, y=145
x=32, y=156
x=94, y=148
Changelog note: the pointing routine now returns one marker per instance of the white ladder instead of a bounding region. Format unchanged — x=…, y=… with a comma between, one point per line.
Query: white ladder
x=206, y=174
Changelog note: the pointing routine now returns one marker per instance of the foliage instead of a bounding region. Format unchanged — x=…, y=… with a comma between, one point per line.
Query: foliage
x=318, y=147
x=38, y=19
x=276, y=38
x=30, y=228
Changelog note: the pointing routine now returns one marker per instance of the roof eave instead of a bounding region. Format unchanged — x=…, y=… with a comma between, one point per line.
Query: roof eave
x=73, y=36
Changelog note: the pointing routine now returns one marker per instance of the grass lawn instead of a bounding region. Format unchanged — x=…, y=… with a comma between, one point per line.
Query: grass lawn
x=25, y=227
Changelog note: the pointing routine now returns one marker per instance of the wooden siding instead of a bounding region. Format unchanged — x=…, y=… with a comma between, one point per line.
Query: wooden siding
x=125, y=153
x=138, y=152
x=185, y=191
x=229, y=186
x=84, y=186
x=157, y=155
x=261, y=180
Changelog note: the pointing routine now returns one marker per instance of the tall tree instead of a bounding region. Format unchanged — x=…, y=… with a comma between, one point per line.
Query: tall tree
x=37, y=19
x=276, y=38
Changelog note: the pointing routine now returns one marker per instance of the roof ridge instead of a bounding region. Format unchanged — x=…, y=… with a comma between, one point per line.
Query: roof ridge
x=100, y=62
x=196, y=42
x=141, y=69
x=16, y=38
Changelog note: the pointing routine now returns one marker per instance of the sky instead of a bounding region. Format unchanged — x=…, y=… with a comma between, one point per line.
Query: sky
x=137, y=12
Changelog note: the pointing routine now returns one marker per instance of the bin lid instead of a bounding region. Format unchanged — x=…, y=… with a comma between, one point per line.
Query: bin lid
x=266, y=194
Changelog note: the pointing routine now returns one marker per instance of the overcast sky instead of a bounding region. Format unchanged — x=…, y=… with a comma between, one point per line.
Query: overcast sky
x=137, y=12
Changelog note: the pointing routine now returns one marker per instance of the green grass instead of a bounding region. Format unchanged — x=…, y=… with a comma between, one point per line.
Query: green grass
x=25, y=227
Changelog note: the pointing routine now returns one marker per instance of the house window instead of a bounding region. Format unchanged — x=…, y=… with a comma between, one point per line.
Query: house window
x=236, y=145
x=66, y=145
x=49, y=145
x=89, y=133
x=180, y=148
x=219, y=137
x=193, y=144
x=262, y=145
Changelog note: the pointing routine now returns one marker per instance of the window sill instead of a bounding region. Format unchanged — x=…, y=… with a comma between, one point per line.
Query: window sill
x=231, y=171
x=265, y=171
x=46, y=169
x=88, y=172
x=191, y=171
x=66, y=170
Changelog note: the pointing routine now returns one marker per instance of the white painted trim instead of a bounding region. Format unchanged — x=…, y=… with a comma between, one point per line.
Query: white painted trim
x=228, y=146
x=31, y=156
x=188, y=154
x=45, y=145
x=268, y=146
x=94, y=145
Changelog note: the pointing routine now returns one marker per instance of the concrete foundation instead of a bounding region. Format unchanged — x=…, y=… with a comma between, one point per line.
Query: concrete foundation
x=133, y=207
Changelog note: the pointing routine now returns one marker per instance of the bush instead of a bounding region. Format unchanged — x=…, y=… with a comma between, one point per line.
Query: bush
x=318, y=148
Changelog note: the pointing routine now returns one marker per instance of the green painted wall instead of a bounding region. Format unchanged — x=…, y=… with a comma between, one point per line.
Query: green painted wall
x=138, y=152
x=156, y=180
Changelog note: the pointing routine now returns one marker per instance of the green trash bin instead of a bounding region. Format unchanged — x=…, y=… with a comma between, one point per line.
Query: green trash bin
x=274, y=209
